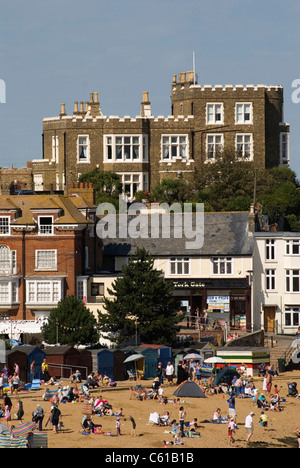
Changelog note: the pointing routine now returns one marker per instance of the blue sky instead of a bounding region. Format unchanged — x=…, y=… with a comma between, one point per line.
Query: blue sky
x=59, y=51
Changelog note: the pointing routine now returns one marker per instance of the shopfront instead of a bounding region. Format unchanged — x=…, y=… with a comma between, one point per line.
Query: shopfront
x=221, y=300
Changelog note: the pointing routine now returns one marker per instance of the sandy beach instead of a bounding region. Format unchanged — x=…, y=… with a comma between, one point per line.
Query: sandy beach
x=279, y=434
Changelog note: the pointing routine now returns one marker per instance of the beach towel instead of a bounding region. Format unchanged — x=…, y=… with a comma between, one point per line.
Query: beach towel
x=7, y=442
x=23, y=429
x=87, y=407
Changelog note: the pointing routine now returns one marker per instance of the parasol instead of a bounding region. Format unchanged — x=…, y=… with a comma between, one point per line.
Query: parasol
x=215, y=360
x=195, y=356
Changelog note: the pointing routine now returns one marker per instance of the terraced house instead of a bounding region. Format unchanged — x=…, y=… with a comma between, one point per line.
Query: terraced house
x=47, y=250
x=143, y=150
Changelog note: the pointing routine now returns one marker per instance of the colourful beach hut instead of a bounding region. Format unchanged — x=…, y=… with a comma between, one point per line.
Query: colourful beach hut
x=24, y=357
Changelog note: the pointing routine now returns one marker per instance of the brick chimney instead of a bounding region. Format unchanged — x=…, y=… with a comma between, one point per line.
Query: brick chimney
x=145, y=105
x=84, y=190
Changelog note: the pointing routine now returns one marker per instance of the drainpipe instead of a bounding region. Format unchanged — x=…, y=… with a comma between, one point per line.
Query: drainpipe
x=24, y=272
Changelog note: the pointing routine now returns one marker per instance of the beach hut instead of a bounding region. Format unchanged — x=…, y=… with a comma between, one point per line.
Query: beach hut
x=189, y=389
x=119, y=369
x=105, y=363
x=24, y=357
x=151, y=360
x=164, y=355
x=63, y=361
x=85, y=362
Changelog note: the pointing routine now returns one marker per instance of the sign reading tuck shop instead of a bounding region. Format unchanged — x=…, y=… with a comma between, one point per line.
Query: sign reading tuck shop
x=188, y=284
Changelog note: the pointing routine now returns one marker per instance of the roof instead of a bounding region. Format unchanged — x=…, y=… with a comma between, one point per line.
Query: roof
x=68, y=208
x=225, y=233
x=60, y=350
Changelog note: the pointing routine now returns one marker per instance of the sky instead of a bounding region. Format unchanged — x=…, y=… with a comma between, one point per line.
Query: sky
x=60, y=51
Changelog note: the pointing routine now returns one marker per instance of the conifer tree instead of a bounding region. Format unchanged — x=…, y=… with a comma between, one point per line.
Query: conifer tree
x=71, y=323
x=140, y=301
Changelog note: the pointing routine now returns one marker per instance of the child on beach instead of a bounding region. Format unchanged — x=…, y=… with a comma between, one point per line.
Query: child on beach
x=7, y=414
x=231, y=431
x=133, y=429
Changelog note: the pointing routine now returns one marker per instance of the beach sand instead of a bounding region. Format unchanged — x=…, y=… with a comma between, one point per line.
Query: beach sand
x=279, y=433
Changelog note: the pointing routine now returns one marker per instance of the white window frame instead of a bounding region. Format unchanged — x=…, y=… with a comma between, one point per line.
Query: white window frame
x=243, y=154
x=5, y=228
x=86, y=160
x=217, y=147
x=243, y=120
x=34, y=291
x=222, y=262
x=178, y=265
x=48, y=231
x=130, y=178
x=174, y=146
x=270, y=279
x=81, y=287
x=290, y=244
x=10, y=293
x=55, y=149
x=212, y=113
x=8, y=260
x=126, y=142
x=290, y=276
x=41, y=263
x=284, y=148
x=38, y=182
x=270, y=250
x=292, y=312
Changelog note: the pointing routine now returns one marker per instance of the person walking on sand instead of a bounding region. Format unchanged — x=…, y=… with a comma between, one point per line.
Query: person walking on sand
x=133, y=429
x=118, y=426
x=249, y=426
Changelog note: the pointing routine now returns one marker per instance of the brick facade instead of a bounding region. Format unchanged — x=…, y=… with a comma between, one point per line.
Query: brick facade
x=204, y=119
x=47, y=243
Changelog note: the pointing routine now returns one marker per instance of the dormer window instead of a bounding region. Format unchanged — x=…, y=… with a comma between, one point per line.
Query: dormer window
x=46, y=225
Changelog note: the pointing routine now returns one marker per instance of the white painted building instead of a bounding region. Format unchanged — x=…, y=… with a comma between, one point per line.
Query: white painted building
x=276, y=282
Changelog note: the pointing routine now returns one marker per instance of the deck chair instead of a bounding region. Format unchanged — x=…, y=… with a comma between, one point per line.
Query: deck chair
x=49, y=394
x=36, y=384
x=131, y=375
x=87, y=407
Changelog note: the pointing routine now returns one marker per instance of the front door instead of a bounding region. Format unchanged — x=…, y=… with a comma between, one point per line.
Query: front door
x=269, y=319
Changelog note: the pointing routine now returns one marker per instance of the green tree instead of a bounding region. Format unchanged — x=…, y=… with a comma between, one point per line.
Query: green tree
x=107, y=184
x=171, y=191
x=71, y=323
x=140, y=298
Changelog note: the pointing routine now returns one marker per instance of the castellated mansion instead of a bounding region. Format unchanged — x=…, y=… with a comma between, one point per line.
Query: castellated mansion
x=145, y=149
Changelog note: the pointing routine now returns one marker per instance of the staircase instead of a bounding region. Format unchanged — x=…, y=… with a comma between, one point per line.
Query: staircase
x=281, y=347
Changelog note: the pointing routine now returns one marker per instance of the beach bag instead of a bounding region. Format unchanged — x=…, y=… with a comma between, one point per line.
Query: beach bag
x=98, y=430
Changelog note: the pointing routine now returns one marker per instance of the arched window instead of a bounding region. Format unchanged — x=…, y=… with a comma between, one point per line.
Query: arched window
x=7, y=259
